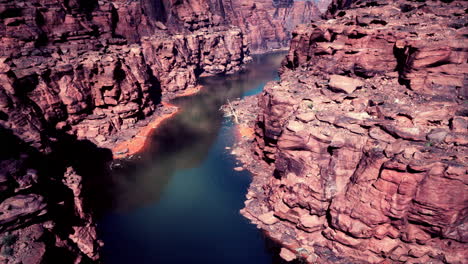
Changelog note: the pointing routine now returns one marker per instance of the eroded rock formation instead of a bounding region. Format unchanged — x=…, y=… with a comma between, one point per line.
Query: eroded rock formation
x=267, y=24
x=45, y=216
x=72, y=71
x=365, y=137
x=93, y=68
x=96, y=70
x=74, y=74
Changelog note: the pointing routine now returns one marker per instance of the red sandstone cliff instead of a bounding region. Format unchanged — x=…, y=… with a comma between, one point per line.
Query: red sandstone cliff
x=76, y=73
x=94, y=68
x=98, y=69
x=268, y=24
x=72, y=71
x=365, y=137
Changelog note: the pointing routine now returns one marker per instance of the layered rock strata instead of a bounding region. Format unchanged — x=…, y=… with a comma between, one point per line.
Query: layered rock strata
x=75, y=74
x=96, y=68
x=364, y=139
x=73, y=71
x=45, y=216
x=267, y=24
x=93, y=72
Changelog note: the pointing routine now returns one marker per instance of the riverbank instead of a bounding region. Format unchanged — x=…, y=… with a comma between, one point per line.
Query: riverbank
x=137, y=138
x=134, y=140
x=244, y=151
x=243, y=113
x=292, y=246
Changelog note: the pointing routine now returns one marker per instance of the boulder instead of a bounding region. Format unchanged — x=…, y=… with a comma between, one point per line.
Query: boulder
x=344, y=84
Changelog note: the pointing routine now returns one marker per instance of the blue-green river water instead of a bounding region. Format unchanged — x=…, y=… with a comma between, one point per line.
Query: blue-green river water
x=179, y=201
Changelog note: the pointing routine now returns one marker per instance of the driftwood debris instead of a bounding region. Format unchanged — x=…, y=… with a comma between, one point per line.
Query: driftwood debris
x=232, y=112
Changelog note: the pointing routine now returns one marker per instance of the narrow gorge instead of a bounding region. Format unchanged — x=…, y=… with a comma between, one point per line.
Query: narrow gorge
x=113, y=148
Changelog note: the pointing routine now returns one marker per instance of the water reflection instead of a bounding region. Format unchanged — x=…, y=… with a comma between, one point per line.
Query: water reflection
x=184, y=141
x=179, y=201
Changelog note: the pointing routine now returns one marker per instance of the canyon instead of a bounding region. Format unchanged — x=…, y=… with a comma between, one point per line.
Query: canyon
x=79, y=76
x=359, y=152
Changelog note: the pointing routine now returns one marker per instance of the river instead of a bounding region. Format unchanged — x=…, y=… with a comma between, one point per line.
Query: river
x=178, y=201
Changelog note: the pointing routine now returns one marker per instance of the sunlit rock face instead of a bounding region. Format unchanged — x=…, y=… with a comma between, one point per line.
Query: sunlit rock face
x=96, y=68
x=366, y=137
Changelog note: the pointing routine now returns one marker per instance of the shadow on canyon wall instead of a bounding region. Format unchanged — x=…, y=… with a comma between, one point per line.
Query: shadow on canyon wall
x=27, y=171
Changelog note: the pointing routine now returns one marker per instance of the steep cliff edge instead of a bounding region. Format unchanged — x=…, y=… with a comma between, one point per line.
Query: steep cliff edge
x=267, y=24
x=364, y=139
x=76, y=74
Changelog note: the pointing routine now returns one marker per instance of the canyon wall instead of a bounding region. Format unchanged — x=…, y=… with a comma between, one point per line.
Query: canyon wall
x=72, y=74
x=364, y=139
x=96, y=70
x=93, y=68
x=267, y=24
x=75, y=74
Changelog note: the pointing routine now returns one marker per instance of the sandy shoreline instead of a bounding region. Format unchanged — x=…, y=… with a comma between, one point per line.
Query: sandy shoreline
x=137, y=143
